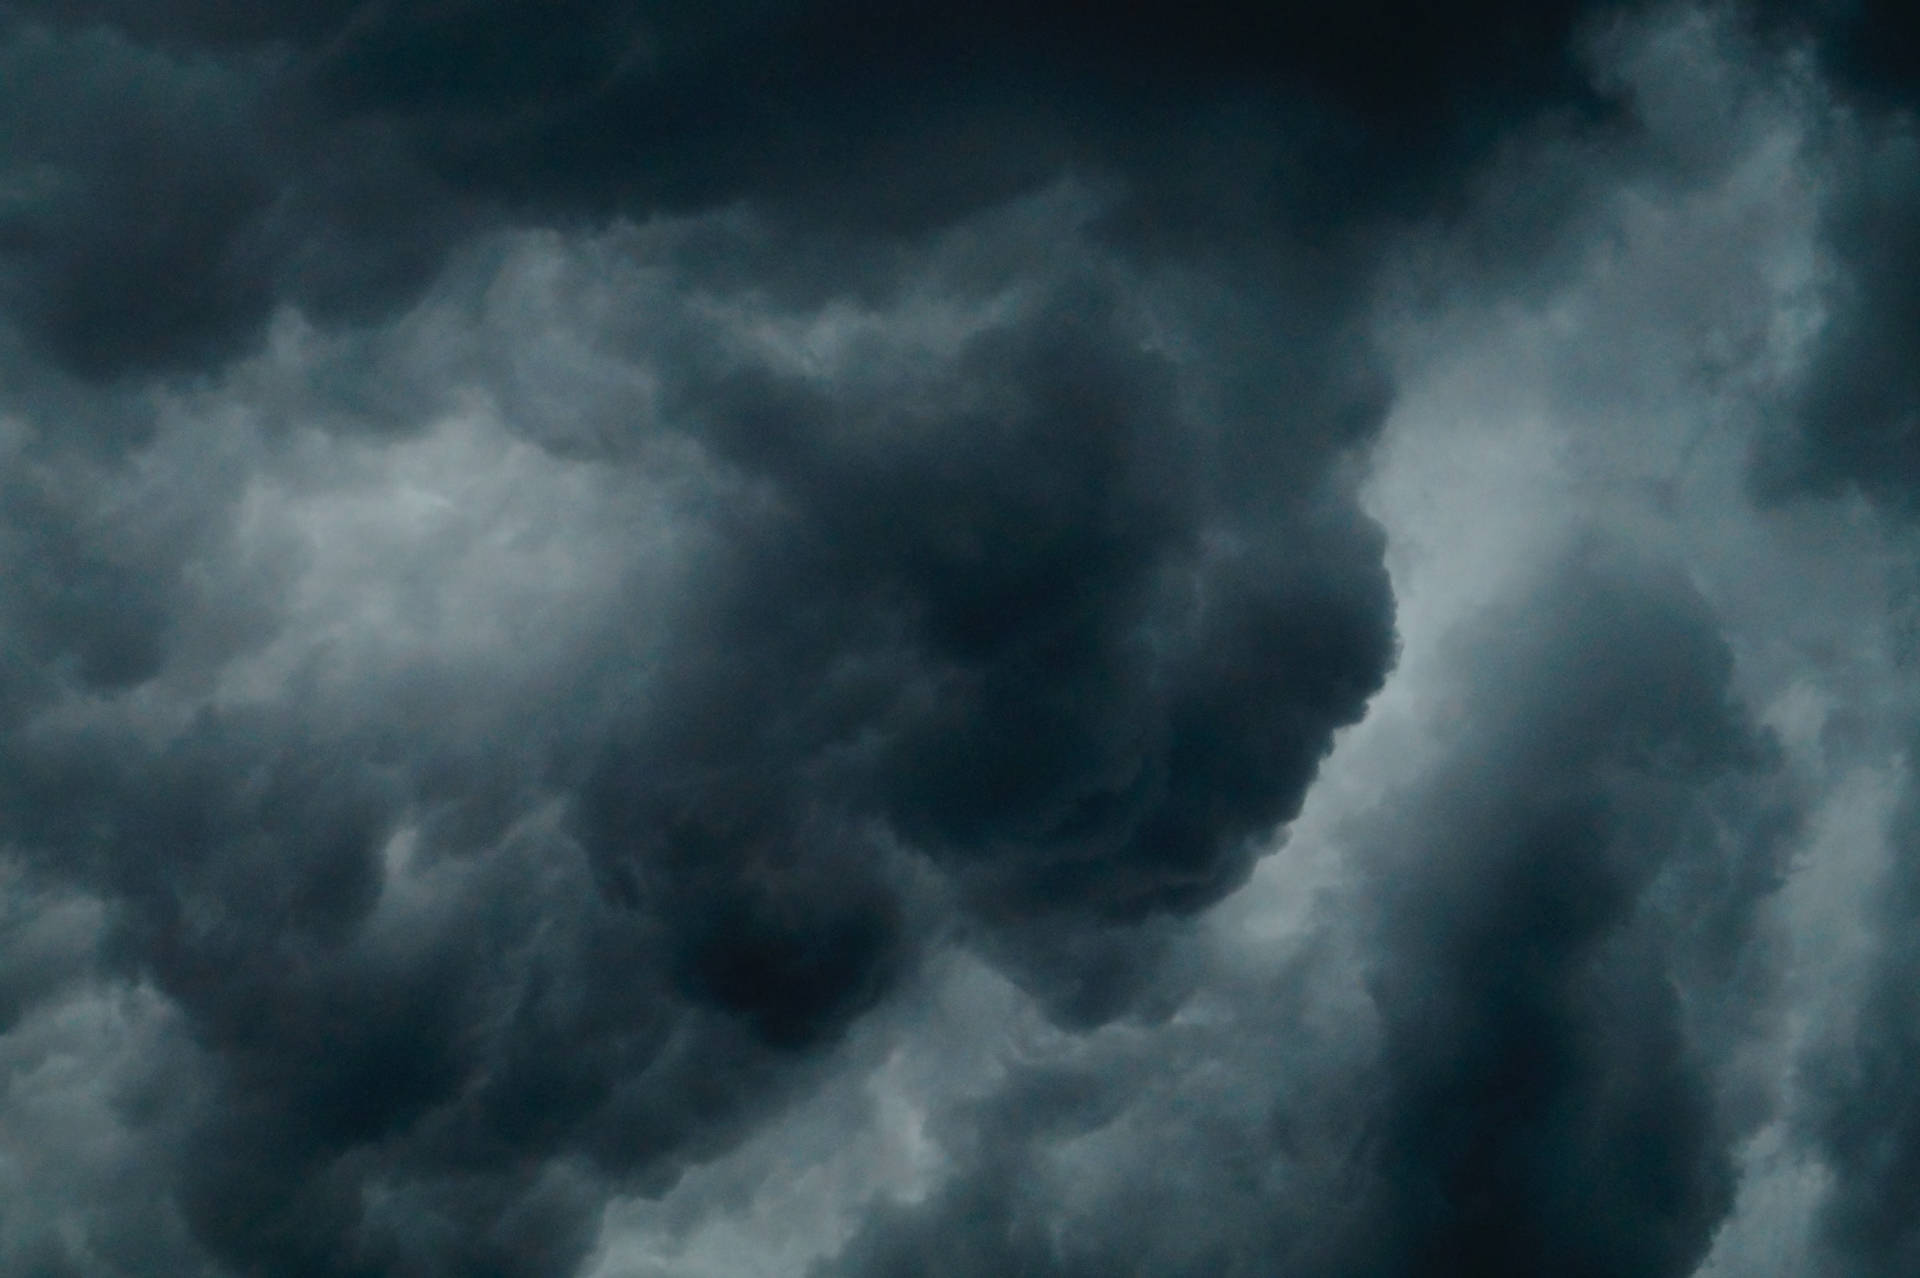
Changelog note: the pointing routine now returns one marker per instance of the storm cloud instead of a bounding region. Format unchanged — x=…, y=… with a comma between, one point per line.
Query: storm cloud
x=1530, y=1090
x=179, y=171
x=817, y=637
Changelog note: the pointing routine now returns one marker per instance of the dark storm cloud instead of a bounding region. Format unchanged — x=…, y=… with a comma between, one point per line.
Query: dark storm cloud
x=1868, y=47
x=1854, y=411
x=1000, y=380
x=1025, y=610
x=1852, y=420
x=174, y=172
x=1024, y=591
x=886, y=117
x=1862, y=1112
x=441, y=1082
x=160, y=200
x=131, y=179
x=1852, y=416
x=1601, y=843
x=1537, y=1096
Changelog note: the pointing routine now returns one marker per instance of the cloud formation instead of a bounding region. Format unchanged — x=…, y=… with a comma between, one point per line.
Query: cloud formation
x=803, y=637
x=1530, y=1089
x=179, y=171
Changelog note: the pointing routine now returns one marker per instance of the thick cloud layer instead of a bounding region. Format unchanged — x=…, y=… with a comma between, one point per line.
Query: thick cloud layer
x=1011, y=605
x=1850, y=423
x=634, y=632
x=181, y=170
x=1534, y=1092
x=1850, y=428
x=1601, y=846
x=1864, y=1116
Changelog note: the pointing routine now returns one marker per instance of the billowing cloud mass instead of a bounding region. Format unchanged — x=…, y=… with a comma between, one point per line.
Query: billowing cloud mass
x=826, y=638
x=1530, y=915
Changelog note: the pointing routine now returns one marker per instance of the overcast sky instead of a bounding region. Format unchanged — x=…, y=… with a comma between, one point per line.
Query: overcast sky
x=858, y=640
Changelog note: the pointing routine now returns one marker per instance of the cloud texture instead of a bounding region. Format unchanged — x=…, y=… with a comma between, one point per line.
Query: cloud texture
x=817, y=638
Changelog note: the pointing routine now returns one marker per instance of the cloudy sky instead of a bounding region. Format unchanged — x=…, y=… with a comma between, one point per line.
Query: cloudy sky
x=856, y=640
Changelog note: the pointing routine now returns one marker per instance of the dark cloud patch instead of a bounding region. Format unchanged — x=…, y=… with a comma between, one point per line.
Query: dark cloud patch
x=48, y=942
x=160, y=201
x=1851, y=416
x=132, y=179
x=88, y=587
x=1550, y=1104
x=178, y=171
x=424, y=1043
x=436, y=1075
x=82, y=609
x=1536, y=1094
x=1857, y=403
x=1018, y=609
x=807, y=105
x=1861, y=1115
x=1868, y=46
x=1017, y=615
x=216, y=24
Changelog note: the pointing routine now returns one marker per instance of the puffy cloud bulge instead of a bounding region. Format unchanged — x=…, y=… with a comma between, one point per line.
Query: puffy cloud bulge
x=585, y=584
